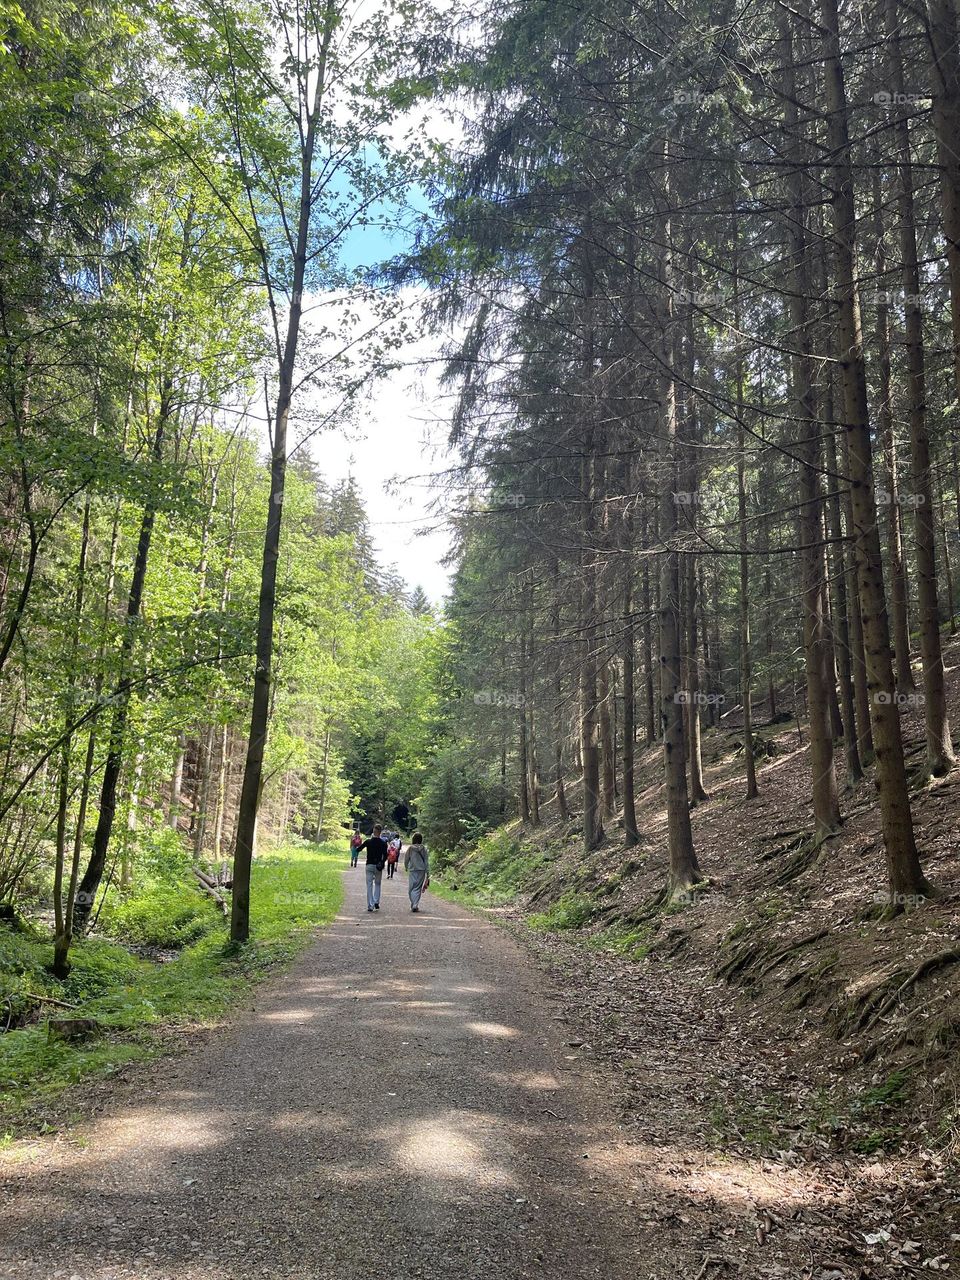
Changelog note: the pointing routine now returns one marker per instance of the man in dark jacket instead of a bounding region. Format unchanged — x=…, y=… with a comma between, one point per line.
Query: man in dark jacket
x=376, y=848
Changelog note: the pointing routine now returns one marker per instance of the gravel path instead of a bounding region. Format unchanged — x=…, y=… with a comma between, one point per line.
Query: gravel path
x=403, y=1103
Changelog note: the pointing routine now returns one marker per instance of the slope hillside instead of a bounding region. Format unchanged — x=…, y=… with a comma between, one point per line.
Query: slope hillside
x=775, y=1015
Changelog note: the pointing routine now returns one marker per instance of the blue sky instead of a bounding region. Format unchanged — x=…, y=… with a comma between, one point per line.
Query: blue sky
x=399, y=446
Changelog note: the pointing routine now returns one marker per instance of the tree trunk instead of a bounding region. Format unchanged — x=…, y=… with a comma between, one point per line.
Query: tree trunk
x=647, y=641
x=940, y=755
x=65, y=756
x=684, y=869
x=589, y=721
x=943, y=33
x=697, y=792
x=324, y=765
x=558, y=718
x=746, y=674
x=904, y=873
x=841, y=619
x=890, y=495
x=90, y=883
x=826, y=803
x=176, y=783
x=260, y=711
x=631, y=835
x=607, y=750
x=133, y=821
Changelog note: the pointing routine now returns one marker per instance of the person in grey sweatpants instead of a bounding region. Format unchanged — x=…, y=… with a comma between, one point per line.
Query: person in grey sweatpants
x=376, y=848
x=416, y=863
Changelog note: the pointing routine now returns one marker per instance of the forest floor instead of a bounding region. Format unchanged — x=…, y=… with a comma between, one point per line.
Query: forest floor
x=785, y=1061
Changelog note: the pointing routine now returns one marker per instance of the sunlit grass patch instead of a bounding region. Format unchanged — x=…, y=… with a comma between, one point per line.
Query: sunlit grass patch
x=134, y=1000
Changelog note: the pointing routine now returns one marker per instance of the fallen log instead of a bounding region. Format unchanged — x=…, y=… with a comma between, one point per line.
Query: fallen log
x=63, y=1004
x=207, y=884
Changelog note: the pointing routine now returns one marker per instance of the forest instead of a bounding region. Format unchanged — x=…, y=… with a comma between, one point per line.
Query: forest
x=691, y=277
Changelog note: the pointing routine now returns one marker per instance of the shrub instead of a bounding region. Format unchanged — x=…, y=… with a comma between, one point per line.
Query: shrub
x=160, y=915
x=162, y=854
x=570, y=911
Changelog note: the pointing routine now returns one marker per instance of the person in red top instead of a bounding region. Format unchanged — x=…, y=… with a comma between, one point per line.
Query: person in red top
x=356, y=840
x=393, y=856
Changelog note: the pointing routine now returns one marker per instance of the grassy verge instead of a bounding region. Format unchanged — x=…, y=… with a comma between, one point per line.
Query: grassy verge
x=135, y=1000
x=504, y=867
x=493, y=875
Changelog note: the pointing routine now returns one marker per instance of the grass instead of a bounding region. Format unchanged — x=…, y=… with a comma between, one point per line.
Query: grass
x=494, y=874
x=570, y=911
x=137, y=1001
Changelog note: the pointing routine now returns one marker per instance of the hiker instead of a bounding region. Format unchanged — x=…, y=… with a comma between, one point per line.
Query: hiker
x=393, y=856
x=356, y=840
x=416, y=863
x=376, y=849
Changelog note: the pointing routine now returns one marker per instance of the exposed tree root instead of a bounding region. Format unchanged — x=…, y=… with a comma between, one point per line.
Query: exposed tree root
x=760, y=956
x=808, y=852
x=932, y=963
x=799, y=838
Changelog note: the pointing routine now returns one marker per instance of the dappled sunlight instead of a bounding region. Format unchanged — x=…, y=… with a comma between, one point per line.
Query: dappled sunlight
x=535, y=1081
x=739, y=1183
x=492, y=1029
x=299, y=1014
x=186, y=1124
x=454, y=1148
x=364, y=1081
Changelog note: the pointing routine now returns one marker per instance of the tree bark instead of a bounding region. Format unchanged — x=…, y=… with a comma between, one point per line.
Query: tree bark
x=940, y=754
x=251, y=786
x=684, y=869
x=826, y=803
x=90, y=883
x=904, y=872
x=943, y=33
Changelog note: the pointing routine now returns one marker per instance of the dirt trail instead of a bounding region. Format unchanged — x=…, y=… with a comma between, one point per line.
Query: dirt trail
x=403, y=1103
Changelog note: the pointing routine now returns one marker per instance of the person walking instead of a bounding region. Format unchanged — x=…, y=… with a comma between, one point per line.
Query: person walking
x=416, y=863
x=356, y=840
x=393, y=856
x=376, y=848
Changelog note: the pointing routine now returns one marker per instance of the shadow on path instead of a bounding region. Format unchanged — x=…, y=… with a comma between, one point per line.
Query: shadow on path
x=397, y=1105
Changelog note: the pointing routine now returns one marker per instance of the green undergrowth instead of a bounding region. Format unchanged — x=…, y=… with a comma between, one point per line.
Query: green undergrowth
x=571, y=911
x=494, y=874
x=568, y=896
x=136, y=1000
